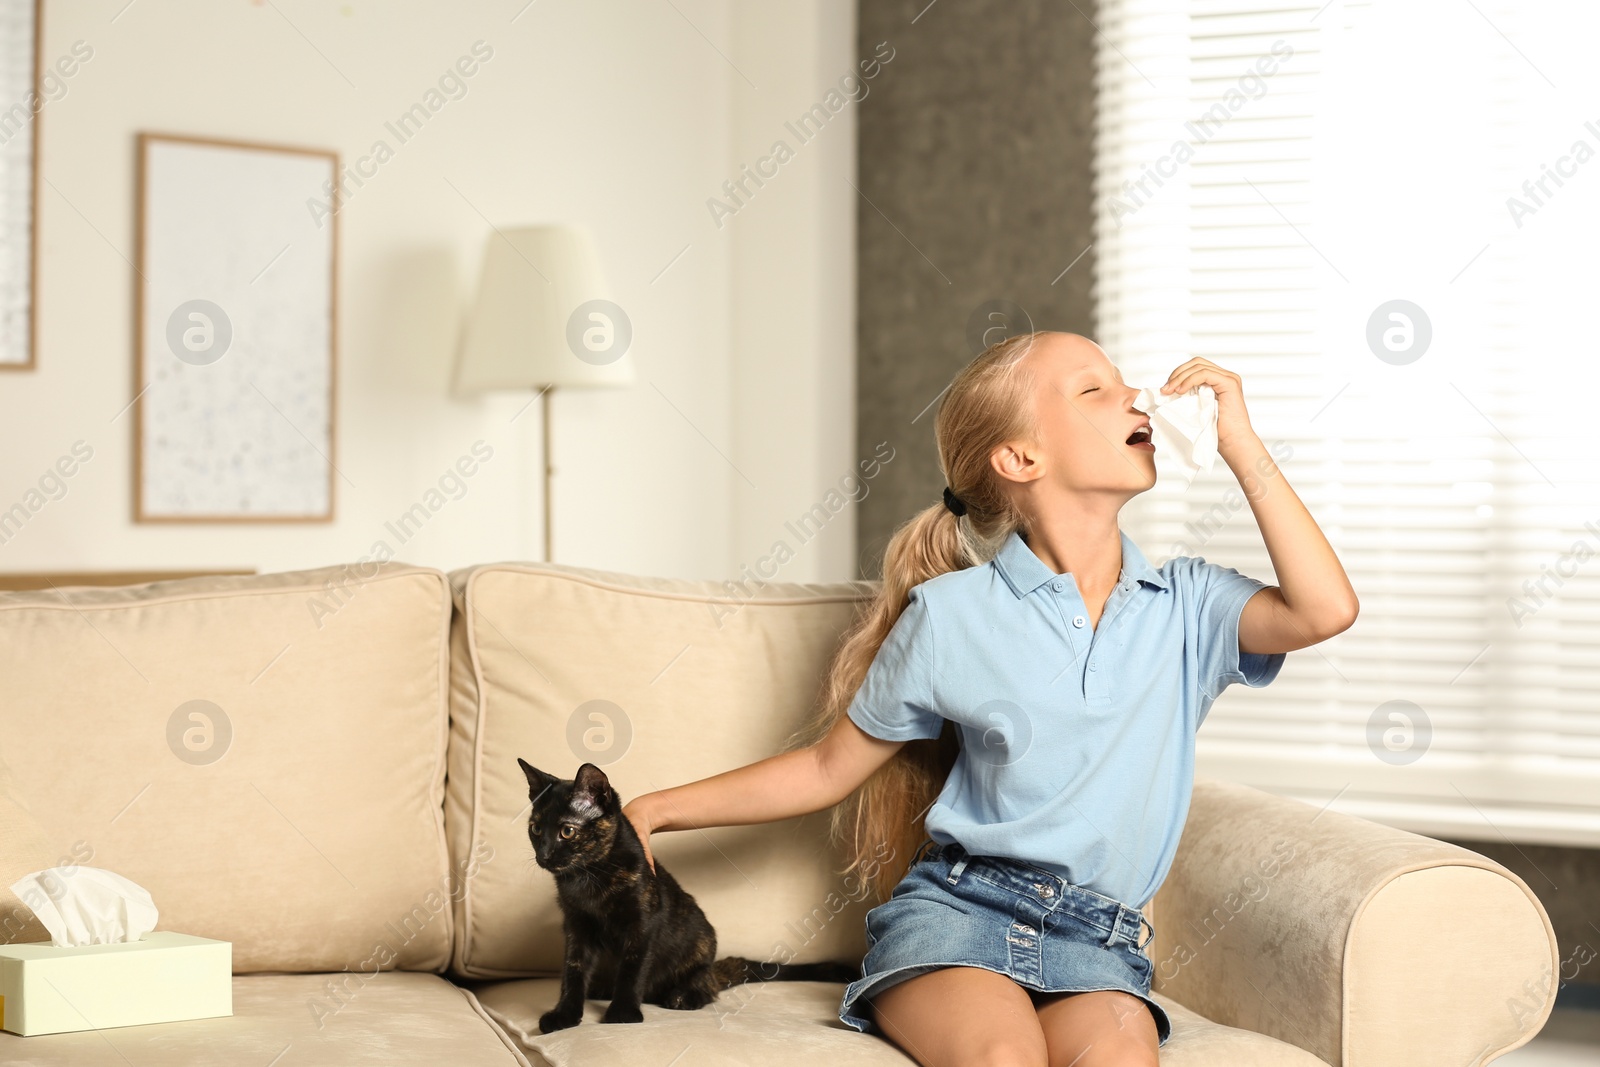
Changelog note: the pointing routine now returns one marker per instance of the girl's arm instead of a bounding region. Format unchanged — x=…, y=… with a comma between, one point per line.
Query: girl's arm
x=779, y=787
x=1313, y=599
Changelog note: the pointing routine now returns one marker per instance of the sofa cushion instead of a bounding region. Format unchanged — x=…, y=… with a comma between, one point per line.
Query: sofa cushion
x=298, y=1020
x=22, y=851
x=797, y=1022
x=264, y=754
x=658, y=682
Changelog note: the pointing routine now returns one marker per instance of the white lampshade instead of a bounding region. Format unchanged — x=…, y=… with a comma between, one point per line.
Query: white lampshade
x=522, y=332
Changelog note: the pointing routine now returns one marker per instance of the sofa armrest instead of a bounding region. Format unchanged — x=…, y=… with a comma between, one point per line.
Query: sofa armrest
x=1364, y=945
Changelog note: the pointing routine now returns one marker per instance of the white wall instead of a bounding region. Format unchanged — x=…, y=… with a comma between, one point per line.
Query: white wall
x=794, y=307
x=625, y=116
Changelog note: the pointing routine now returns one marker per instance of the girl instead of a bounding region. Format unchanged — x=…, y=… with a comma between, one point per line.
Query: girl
x=1027, y=681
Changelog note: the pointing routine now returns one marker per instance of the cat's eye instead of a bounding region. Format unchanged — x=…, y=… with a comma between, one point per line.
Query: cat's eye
x=568, y=832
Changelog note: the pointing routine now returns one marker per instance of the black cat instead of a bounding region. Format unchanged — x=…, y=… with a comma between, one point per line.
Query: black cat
x=631, y=935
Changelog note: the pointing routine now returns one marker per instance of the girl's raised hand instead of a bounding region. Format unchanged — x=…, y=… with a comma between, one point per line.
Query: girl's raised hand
x=1233, y=421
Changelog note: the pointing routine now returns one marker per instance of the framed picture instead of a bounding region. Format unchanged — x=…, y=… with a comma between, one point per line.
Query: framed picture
x=236, y=317
x=19, y=153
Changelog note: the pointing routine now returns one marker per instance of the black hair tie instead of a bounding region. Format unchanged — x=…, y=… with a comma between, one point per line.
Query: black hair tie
x=954, y=503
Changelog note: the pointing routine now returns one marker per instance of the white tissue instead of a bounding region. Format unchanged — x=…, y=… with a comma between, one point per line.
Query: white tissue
x=1184, y=426
x=87, y=905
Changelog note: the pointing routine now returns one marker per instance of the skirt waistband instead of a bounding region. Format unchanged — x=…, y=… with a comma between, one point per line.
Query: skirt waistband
x=1048, y=889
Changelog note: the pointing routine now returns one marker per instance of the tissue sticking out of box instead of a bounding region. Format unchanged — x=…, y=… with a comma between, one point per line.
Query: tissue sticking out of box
x=87, y=905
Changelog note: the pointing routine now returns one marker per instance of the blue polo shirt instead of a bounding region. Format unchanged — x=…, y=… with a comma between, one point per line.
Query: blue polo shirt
x=1077, y=741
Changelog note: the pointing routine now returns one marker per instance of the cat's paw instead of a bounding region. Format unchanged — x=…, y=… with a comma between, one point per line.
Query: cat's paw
x=556, y=1019
x=622, y=1013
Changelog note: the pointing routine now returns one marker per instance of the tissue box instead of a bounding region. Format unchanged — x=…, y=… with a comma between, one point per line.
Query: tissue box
x=163, y=978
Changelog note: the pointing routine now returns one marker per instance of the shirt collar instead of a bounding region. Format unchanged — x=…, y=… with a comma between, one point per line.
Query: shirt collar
x=1024, y=572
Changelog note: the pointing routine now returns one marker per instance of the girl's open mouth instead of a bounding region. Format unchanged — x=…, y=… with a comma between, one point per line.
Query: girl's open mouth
x=1140, y=439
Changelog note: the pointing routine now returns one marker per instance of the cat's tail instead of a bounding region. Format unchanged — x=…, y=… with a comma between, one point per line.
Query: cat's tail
x=736, y=970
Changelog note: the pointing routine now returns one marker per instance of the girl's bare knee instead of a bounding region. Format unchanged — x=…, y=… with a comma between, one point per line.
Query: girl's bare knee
x=1103, y=1028
x=962, y=1015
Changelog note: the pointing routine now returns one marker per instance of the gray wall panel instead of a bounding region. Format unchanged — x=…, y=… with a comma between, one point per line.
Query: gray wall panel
x=976, y=185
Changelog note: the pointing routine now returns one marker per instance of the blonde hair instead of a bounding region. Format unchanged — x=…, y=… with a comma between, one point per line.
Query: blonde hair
x=989, y=403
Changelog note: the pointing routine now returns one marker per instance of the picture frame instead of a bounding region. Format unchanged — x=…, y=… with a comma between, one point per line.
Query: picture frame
x=236, y=327
x=19, y=165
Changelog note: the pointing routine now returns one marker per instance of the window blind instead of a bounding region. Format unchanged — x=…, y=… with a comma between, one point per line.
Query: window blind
x=1382, y=216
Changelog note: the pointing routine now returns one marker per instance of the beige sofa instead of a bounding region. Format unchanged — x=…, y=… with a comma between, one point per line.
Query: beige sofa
x=347, y=811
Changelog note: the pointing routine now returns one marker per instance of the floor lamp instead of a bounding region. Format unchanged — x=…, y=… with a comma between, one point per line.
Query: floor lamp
x=542, y=319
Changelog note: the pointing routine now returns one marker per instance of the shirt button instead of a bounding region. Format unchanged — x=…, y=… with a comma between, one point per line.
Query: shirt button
x=1056, y=586
x=1091, y=665
x=1078, y=620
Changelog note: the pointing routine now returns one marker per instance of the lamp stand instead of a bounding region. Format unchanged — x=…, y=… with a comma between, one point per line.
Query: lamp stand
x=549, y=468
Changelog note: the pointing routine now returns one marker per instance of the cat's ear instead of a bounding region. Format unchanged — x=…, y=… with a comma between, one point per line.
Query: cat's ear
x=538, y=781
x=591, y=783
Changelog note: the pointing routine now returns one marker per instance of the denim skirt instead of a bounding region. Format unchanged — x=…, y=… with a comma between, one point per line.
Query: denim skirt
x=1013, y=918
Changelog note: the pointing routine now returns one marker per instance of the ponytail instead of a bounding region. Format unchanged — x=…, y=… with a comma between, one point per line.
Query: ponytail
x=881, y=824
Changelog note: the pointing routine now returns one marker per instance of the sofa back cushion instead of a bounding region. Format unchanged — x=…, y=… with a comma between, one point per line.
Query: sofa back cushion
x=658, y=682
x=23, y=850
x=264, y=754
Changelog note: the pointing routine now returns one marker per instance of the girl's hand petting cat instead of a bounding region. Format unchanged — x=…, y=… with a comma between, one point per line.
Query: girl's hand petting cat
x=642, y=827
